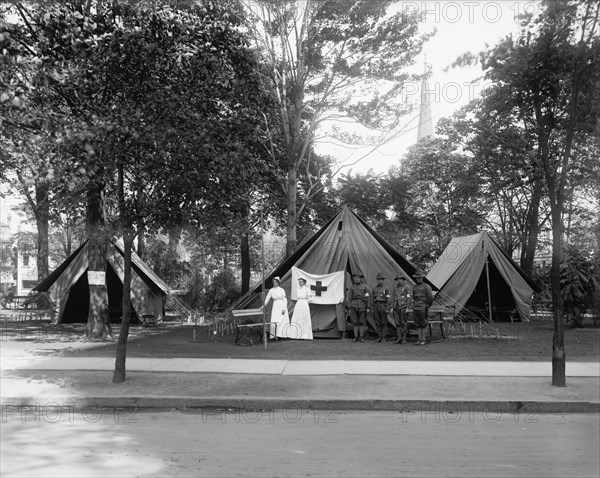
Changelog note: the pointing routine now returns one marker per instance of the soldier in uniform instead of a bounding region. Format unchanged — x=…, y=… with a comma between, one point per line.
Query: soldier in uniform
x=422, y=297
x=358, y=302
x=401, y=301
x=381, y=304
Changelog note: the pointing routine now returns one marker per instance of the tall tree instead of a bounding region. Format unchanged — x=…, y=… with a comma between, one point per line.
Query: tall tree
x=328, y=60
x=552, y=73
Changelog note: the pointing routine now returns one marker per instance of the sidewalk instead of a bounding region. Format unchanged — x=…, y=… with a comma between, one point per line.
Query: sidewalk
x=491, y=387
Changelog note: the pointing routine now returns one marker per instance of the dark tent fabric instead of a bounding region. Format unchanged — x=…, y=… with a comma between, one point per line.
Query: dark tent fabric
x=462, y=279
x=344, y=243
x=69, y=290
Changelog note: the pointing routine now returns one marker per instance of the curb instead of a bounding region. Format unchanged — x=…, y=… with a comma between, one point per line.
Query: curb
x=40, y=408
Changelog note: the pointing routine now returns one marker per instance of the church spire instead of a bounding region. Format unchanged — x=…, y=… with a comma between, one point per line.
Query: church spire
x=425, y=116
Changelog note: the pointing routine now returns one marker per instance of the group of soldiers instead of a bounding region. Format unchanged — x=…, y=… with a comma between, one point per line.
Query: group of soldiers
x=399, y=301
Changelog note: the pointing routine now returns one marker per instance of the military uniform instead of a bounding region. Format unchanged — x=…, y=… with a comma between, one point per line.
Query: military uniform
x=358, y=301
x=422, y=297
x=381, y=304
x=401, y=299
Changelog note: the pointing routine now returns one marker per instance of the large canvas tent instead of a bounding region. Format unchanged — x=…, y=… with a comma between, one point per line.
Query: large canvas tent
x=345, y=243
x=474, y=273
x=69, y=290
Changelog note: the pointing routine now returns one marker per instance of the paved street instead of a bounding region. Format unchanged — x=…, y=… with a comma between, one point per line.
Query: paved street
x=298, y=443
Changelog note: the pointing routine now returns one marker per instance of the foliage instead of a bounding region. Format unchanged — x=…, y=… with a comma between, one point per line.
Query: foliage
x=365, y=194
x=502, y=146
x=166, y=264
x=580, y=283
x=223, y=290
x=437, y=198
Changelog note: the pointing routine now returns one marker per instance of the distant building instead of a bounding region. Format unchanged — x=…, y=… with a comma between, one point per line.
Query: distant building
x=18, y=268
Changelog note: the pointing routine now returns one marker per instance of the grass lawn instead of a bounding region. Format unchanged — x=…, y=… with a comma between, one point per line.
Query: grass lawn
x=505, y=341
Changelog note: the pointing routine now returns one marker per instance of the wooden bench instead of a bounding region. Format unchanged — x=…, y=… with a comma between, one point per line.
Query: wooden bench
x=244, y=332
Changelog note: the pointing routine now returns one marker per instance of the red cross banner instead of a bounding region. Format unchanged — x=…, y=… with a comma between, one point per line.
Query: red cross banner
x=324, y=288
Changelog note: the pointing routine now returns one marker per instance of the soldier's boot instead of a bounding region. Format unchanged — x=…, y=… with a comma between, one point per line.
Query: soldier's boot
x=380, y=336
x=399, y=335
x=356, y=334
x=361, y=333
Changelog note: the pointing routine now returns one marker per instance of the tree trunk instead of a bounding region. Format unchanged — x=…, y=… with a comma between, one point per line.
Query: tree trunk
x=533, y=229
x=245, y=254
x=98, y=324
x=119, y=372
x=141, y=249
x=42, y=214
x=558, y=339
x=174, y=238
x=292, y=220
x=245, y=249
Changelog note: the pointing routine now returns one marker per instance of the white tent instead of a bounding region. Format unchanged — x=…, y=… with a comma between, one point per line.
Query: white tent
x=474, y=272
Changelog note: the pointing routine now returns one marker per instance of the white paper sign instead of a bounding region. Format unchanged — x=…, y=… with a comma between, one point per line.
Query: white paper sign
x=96, y=278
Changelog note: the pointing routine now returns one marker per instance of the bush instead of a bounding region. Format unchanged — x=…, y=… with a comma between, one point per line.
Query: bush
x=223, y=290
x=579, y=284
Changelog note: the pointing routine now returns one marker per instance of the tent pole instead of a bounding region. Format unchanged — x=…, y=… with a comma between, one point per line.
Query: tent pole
x=262, y=254
x=487, y=276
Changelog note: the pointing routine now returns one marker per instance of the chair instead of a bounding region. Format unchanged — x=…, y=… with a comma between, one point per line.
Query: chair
x=148, y=320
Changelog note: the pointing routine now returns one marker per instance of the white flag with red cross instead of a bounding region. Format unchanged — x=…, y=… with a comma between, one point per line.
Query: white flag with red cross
x=324, y=288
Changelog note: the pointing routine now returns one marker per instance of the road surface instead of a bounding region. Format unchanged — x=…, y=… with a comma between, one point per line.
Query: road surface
x=65, y=442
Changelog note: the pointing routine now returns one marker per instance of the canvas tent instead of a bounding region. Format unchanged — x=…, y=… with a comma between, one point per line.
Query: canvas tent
x=69, y=291
x=474, y=273
x=346, y=243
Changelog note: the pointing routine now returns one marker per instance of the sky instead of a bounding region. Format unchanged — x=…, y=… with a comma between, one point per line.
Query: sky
x=461, y=26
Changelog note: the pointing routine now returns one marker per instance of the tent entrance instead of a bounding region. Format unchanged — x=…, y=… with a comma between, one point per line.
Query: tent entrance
x=502, y=300
x=78, y=302
x=328, y=321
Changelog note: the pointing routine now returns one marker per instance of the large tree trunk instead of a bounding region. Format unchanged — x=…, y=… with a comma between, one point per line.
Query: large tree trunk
x=558, y=339
x=98, y=323
x=292, y=219
x=533, y=229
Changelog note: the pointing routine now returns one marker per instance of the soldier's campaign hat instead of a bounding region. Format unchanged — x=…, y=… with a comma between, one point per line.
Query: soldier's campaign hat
x=380, y=276
x=418, y=274
x=400, y=277
x=358, y=274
